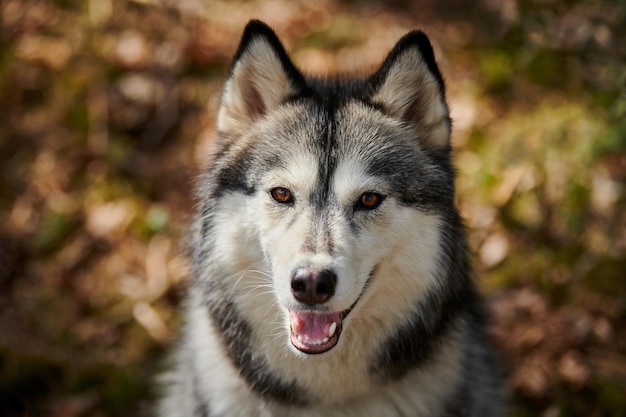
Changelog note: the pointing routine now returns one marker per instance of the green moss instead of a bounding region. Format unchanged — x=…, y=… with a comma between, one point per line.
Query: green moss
x=498, y=71
x=54, y=230
x=549, y=68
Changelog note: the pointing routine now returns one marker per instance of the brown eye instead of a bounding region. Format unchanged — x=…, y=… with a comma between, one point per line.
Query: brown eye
x=369, y=201
x=281, y=195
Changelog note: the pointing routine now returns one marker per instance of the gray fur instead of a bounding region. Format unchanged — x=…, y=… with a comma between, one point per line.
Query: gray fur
x=410, y=340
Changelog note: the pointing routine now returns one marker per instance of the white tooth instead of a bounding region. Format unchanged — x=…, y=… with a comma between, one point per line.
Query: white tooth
x=332, y=329
x=293, y=327
x=325, y=340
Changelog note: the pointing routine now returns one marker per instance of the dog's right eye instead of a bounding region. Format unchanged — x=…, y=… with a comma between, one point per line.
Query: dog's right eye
x=368, y=201
x=281, y=195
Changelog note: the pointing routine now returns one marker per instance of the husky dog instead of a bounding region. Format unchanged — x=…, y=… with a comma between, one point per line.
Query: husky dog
x=330, y=269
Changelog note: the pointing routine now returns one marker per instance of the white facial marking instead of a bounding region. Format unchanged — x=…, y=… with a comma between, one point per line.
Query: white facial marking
x=350, y=180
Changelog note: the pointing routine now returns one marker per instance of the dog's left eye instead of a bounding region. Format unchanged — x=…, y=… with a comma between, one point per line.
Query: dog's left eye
x=369, y=201
x=281, y=195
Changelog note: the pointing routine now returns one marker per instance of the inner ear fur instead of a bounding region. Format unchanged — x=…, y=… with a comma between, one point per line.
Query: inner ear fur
x=409, y=86
x=261, y=77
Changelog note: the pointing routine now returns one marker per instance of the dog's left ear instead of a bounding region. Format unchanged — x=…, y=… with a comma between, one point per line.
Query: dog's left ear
x=261, y=78
x=409, y=86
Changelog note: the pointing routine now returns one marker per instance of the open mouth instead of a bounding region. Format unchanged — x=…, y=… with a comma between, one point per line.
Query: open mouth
x=314, y=332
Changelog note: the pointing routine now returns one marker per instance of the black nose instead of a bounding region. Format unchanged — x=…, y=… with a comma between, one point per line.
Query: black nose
x=313, y=286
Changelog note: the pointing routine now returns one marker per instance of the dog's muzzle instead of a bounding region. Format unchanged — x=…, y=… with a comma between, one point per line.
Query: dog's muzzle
x=313, y=331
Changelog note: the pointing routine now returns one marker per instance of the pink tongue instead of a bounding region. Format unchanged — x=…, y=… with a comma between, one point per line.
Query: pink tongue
x=312, y=326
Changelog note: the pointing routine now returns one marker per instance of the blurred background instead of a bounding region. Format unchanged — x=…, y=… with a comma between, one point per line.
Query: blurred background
x=106, y=110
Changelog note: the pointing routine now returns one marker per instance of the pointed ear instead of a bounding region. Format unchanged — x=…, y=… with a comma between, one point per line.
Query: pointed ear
x=409, y=86
x=261, y=77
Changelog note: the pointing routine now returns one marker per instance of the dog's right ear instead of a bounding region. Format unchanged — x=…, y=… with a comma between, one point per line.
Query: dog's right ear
x=261, y=77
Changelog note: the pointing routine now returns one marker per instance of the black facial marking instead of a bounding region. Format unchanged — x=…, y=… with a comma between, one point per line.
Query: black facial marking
x=236, y=335
x=327, y=103
x=234, y=176
x=415, y=341
x=416, y=179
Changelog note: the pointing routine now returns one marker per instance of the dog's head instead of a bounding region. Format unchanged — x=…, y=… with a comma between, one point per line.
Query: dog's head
x=344, y=182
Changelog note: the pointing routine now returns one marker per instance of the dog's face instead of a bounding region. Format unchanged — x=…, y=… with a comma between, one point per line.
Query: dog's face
x=327, y=222
x=344, y=184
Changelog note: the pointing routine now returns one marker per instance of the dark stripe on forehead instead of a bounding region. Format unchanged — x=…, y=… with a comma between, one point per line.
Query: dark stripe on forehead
x=319, y=238
x=327, y=158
